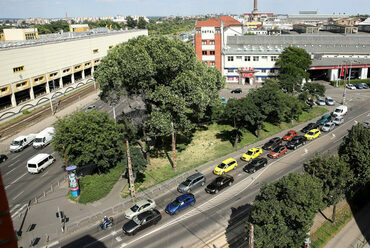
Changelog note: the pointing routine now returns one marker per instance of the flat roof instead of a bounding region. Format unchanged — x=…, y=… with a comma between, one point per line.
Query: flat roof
x=37, y=158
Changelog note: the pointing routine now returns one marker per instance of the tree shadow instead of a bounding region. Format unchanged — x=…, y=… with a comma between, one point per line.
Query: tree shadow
x=85, y=241
x=227, y=135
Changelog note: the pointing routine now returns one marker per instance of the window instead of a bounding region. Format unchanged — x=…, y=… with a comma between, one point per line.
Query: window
x=274, y=58
x=213, y=63
x=204, y=42
x=77, y=67
x=66, y=70
x=256, y=58
x=88, y=64
x=272, y=70
x=247, y=58
x=230, y=70
x=211, y=42
x=212, y=52
x=18, y=69
x=230, y=58
x=204, y=52
x=95, y=50
x=30, y=36
x=239, y=57
x=264, y=57
x=263, y=70
x=53, y=74
x=21, y=84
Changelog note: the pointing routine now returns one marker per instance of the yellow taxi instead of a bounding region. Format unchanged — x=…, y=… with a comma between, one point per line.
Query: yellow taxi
x=251, y=154
x=225, y=166
x=312, y=134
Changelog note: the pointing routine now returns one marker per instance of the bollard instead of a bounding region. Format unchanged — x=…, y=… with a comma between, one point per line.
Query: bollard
x=44, y=194
x=35, y=199
x=51, y=188
x=58, y=183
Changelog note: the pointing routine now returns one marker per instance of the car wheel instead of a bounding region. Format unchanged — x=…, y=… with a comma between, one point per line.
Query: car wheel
x=202, y=183
x=264, y=165
x=176, y=212
x=216, y=191
x=304, y=143
x=230, y=183
x=295, y=148
x=192, y=203
x=254, y=170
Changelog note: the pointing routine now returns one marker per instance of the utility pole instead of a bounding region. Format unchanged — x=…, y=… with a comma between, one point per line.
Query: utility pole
x=251, y=235
x=174, y=147
x=130, y=174
x=56, y=98
x=66, y=163
x=345, y=85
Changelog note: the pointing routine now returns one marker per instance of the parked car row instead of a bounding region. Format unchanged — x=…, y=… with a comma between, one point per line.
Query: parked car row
x=357, y=86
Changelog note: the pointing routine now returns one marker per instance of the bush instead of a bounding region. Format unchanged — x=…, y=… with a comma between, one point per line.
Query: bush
x=353, y=81
x=26, y=112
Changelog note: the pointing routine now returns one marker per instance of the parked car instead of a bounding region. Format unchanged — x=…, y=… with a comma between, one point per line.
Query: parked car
x=90, y=108
x=251, y=154
x=365, y=86
x=180, y=203
x=3, y=158
x=340, y=111
x=324, y=119
x=219, y=183
x=350, y=86
x=237, y=91
x=142, y=221
x=312, y=134
x=366, y=124
x=296, y=142
x=255, y=165
x=359, y=86
x=226, y=166
x=140, y=207
x=329, y=101
x=192, y=182
x=21, y=142
x=290, y=135
x=338, y=120
x=310, y=126
x=320, y=102
x=328, y=127
x=278, y=151
x=272, y=143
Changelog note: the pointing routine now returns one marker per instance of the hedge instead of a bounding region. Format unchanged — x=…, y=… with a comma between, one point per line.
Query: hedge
x=353, y=81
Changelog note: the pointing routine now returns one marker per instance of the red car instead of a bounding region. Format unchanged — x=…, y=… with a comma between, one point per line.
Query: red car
x=290, y=135
x=278, y=151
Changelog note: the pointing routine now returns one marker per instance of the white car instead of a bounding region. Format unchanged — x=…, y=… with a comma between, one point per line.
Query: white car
x=351, y=87
x=139, y=207
x=328, y=127
x=338, y=120
x=329, y=101
x=320, y=102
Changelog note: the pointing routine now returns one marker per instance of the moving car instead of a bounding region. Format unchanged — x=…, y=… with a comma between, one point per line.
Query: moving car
x=350, y=86
x=359, y=86
x=142, y=221
x=251, y=154
x=324, y=119
x=320, y=102
x=329, y=101
x=3, y=158
x=328, y=127
x=237, y=91
x=278, y=151
x=140, y=207
x=312, y=134
x=44, y=138
x=366, y=124
x=255, y=165
x=338, y=120
x=219, y=183
x=290, y=135
x=272, y=143
x=39, y=163
x=192, y=182
x=21, y=142
x=309, y=127
x=296, y=142
x=180, y=203
x=340, y=111
x=226, y=166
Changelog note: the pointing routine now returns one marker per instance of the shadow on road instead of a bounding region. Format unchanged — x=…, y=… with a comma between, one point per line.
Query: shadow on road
x=236, y=235
x=86, y=241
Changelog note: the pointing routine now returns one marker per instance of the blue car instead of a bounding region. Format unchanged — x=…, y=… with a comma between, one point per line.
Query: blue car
x=324, y=119
x=359, y=86
x=180, y=203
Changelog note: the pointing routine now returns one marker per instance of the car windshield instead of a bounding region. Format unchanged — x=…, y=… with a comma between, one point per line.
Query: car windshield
x=15, y=143
x=338, y=111
x=221, y=166
x=249, y=153
x=289, y=134
x=311, y=133
x=295, y=139
x=136, y=220
x=31, y=166
x=187, y=182
x=176, y=202
x=218, y=181
x=134, y=208
x=277, y=149
x=337, y=119
x=38, y=140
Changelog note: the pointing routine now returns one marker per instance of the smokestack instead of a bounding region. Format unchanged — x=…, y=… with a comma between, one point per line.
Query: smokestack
x=255, y=6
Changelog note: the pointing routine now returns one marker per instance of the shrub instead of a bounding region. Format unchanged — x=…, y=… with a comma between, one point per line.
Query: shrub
x=353, y=81
x=26, y=112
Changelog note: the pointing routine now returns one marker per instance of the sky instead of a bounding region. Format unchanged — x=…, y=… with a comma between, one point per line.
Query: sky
x=76, y=8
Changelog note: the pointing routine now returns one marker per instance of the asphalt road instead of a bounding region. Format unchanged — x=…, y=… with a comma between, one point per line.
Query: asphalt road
x=213, y=214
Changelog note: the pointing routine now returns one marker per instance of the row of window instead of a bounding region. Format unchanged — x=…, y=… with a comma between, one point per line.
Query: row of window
x=255, y=58
x=210, y=42
x=211, y=63
x=206, y=52
x=262, y=70
x=30, y=36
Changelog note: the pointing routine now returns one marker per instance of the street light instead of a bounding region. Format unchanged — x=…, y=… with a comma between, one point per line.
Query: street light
x=349, y=79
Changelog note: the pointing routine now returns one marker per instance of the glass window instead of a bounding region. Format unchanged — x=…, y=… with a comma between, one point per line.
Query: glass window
x=212, y=52
x=256, y=58
x=263, y=70
x=211, y=42
x=230, y=70
x=247, y=58
x=204, y=42
x=239, y=57
x=274, y=58
x=230, y=58
x=204, y=52
x=264, y=57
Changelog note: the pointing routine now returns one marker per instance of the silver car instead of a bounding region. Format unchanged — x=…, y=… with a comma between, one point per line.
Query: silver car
x=320, y=102
x=140, y=207
x=329, y=101
x=192, y=182
x=338, y=120
x=328, y=127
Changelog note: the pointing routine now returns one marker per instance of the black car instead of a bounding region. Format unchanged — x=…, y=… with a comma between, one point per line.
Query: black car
x=219, y=183
x=3, y=157
x=272, y=143
x=310, y=126
x=296, y=142
x=255, y=165
x=142, y=221
x=238, y=90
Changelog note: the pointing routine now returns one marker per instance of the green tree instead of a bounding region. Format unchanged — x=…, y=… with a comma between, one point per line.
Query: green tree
x=284, y=211
x=131, y=23
x=294, y=63
x=142, y=24
x=89, y=138
x=292, y=107
x=315, y=90
x=334, y=174
x=355, y=150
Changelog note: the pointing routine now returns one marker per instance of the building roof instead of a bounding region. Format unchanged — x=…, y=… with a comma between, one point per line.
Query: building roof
x=339, y=61
x=216, y=22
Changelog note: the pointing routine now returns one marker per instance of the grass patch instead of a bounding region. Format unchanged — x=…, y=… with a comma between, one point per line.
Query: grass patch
x=96, y=187
x=201, y=151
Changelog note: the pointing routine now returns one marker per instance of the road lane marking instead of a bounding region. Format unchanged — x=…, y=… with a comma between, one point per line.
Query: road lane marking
x=19, y=210
x=45, y=174
x=13, y=208
x=12, y=164
x=17, y=195
x=16, y=180
x=10, y=171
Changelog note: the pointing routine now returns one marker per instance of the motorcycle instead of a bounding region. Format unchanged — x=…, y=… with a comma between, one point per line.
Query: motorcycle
x=109, y=223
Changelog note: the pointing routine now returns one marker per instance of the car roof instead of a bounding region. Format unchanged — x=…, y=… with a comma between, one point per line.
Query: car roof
x=226, y=161
x=342, y=107
x=183, y=197
x=146, y=214
x=326, y=116
x=314, y=130
x=142, y=202
x=196, y=175
x=20, y=138
x=291, y=131
x=38, y=157
x=339, y=117
x=254, y=149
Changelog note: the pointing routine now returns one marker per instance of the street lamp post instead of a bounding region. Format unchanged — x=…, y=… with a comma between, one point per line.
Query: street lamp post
x=56, y=98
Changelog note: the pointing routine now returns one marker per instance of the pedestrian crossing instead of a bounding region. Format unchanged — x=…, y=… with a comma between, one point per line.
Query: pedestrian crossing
x=17, y=209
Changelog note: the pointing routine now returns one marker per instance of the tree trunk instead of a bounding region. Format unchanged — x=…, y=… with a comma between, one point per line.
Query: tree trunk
x=130, y=174
x=174, y=148
x=236, y=139
x=259, y=127
x=147, y=146
x=333, y=215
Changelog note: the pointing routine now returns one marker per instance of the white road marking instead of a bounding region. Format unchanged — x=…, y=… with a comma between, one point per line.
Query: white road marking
x=19, y=210
x=16, y=180
x=12, y=164
x=13, y=208
x=45, y=174
x=17, y=195
x=119, y=239
x=10, y=171
x=16, y=156
x=332, y=136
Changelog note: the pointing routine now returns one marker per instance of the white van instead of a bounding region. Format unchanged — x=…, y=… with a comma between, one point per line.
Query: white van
x=340, y=111
x=43, y=138
x=39, y=162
